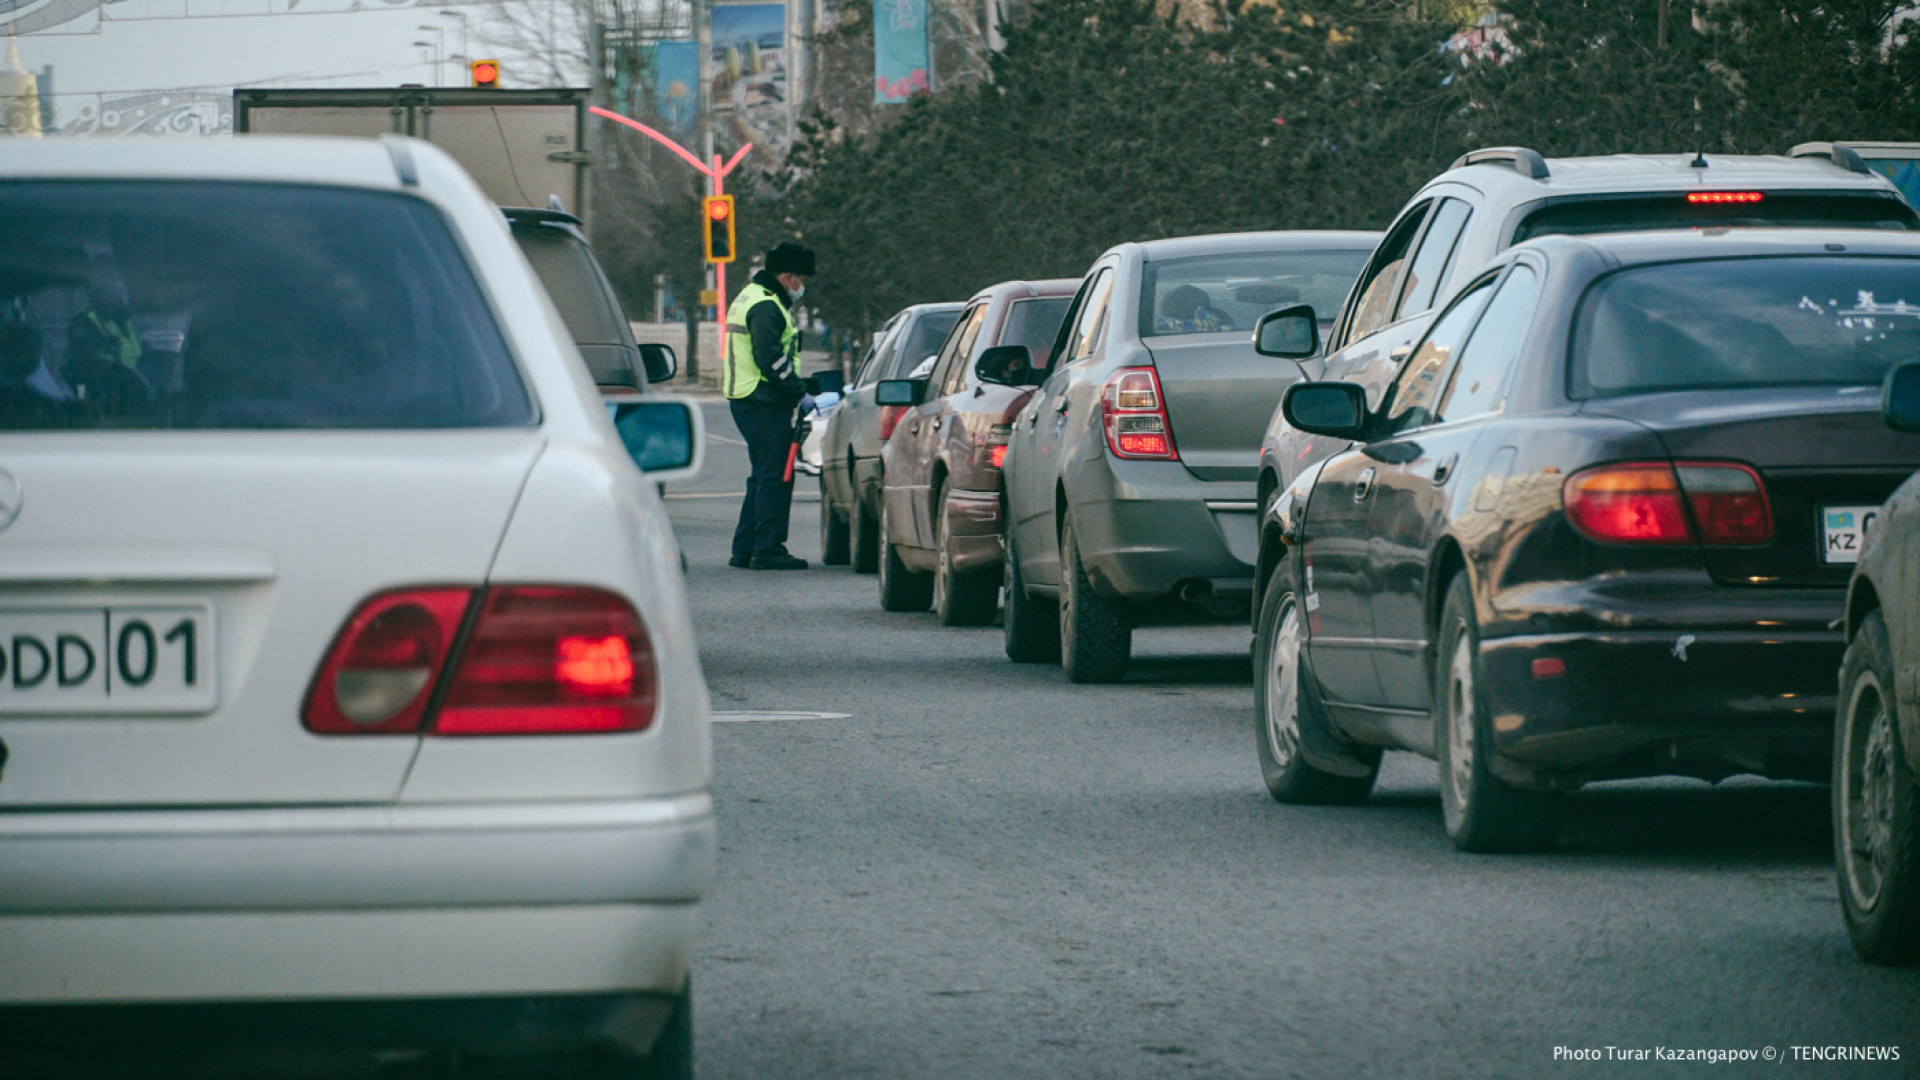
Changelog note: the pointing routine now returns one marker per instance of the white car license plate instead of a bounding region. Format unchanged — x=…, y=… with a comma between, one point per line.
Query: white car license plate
x=107, y=660
x=1843, y=529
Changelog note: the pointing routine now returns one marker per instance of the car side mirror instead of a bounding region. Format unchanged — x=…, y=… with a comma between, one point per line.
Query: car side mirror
x=665, y=436
x=1900, y=397
x=659, y=361
x=1338, y=409
x=898, y=391
x=827, y=382
x=1292, y=333
x=1006, y=365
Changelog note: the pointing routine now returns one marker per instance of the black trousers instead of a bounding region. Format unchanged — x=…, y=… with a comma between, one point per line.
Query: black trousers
x=768, y=430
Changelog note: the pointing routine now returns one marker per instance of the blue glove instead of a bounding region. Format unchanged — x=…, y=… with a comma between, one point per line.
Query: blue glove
x=806, y=403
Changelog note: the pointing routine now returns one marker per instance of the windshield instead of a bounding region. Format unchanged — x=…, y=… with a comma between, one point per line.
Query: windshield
x=923, y=340
x=1868, y=210
x=572, y=276
x=1211, y=294
x=209, y=305
x=1745, y=323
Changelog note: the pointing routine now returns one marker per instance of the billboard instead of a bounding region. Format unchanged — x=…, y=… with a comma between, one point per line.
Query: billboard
x=899, y=50
x=751, y=87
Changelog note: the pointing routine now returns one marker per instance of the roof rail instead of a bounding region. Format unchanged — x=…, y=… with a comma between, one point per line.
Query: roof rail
x=1526, y=162
x=402, y=156
x=1839, y=153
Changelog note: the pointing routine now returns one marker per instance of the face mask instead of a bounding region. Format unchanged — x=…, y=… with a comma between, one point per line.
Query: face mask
x=796, y=294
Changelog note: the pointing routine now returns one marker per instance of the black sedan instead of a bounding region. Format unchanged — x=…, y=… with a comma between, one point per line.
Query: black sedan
x=1600, y=526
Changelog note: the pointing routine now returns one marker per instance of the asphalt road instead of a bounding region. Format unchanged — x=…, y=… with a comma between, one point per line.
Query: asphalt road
x=984, y=871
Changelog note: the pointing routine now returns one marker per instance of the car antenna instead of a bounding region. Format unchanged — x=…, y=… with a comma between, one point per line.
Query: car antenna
x=1699, y=133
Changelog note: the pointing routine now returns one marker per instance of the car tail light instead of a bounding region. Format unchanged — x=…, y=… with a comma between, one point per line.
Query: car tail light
x=379, y=674
x=1135, y=415
x=548, y=660
x=889, y=419
x=1729, y=503
x=996, y=444
x=1721, y=197
x=1656, y=503
x=537, y=660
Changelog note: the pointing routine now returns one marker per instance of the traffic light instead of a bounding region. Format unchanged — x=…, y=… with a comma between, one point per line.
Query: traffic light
x=485, y=73
x=719, y=216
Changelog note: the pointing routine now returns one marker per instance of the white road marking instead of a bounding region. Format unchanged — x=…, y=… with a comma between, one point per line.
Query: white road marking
x=757, y=716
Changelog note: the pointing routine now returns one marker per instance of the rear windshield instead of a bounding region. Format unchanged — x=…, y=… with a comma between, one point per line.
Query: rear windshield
x=1210, y=294
x=572, y=276
x=1640, y=214
x=1034, y=323
x=1745, y=323
x=923, y=340
x=224, y=305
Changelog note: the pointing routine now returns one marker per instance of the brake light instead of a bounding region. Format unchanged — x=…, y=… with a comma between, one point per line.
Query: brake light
x=1134, y=412
x=379, y=674
x=548, y=660
x=1714, y=503
x=1722, y=197
x=538, y=660
x=997, y=456
x=889, y=419
x=996, y=444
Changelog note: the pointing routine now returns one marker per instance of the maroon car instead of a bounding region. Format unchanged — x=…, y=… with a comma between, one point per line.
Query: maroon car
x=941, y=496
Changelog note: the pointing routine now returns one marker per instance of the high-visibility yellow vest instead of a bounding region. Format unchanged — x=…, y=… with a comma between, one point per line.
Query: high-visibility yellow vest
x=120, y=345
x=743, y=375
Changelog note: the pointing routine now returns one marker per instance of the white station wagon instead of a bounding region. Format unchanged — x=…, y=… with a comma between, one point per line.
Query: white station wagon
x=344, y=652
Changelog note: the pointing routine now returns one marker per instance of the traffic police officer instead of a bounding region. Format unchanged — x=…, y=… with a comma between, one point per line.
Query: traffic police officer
x=763, y=384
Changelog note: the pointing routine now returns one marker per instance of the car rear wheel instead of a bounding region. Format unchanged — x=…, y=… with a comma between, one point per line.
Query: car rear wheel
x=1287, y=709
x=834, y=534
x=960, y=599
x=1032, y=626
x=864, y=538
x=1095, y=638
x=901, y=589
x=1483, y=812
x=1876, y=807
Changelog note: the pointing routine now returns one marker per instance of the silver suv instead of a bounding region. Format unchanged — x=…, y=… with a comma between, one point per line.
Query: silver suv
x=1491, y=199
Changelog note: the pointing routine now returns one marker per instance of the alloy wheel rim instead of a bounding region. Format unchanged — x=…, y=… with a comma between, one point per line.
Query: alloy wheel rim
x=1867, y=793
x=1283, y=687
x=1459, y=706
x=942, y=570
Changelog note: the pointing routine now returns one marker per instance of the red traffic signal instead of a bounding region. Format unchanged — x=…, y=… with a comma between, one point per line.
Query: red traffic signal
x=718, y=235
x=485, y=73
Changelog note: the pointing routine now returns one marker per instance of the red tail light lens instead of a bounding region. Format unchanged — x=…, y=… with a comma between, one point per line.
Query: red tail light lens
x=1134, y=411
x=1716, y=198
x=1729, y=503
x=889, y=419
x=1657, y=503
x=997, y=456
x=379, y=674
x=549, y=660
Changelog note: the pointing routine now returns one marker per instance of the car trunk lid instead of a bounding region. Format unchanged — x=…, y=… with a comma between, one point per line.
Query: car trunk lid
x=1220, y=395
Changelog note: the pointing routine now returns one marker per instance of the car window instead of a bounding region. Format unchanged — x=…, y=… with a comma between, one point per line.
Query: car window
x=1086, y=324
x=1034, y=323
x=920, y=339
x=879, y=357
x=1373, y=305
x=950, y=374
x=169, y=304
x=1410, y=400
x=1746, y=322
x=1483, y=362
x=566, y=266
x=1867, y=210
x=1230, y=291
x=1428, y=267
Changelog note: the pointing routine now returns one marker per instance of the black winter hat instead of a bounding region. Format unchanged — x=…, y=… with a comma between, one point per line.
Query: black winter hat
x=788, y=257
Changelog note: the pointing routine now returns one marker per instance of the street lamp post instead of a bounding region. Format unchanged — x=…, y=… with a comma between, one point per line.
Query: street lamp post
x=439, y=47
x=466, y=47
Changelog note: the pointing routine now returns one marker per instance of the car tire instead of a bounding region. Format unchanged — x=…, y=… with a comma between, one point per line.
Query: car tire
x=1287, y=709
x=863, y=539
x=1095, y=637
x=1482, y=812
x=1031, y=625
x=834, y=534
x=1876, y=807
x=960, y=599
x=901, y=589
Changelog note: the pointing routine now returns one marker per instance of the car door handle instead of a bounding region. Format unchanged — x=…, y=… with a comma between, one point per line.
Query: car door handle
x=913, y=428
x=938, y=421
x=1363, y=486
x=1445, y=469
x=1062, y=407
x=1400, y=353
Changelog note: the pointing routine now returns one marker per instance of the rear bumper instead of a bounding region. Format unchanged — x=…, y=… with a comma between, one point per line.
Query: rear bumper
x=351, y=902
x=1147, y=528
x=973, y=529
x=1707, y=702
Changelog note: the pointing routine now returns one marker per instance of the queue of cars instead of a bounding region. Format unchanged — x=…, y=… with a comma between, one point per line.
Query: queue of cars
x=1571, y=470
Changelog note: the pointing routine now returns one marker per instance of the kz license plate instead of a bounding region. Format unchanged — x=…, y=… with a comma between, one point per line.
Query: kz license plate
x=1843, y=529
x=59, y=661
